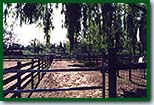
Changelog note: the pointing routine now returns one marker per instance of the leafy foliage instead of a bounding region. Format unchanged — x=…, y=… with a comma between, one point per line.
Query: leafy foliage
x=91, y=27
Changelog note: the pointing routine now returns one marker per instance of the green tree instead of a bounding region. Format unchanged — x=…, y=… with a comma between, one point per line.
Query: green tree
x=109, y=24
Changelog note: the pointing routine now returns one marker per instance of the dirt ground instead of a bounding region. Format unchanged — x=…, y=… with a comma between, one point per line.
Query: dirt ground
x=125, y=88
x=70, y=79
x=83, y=79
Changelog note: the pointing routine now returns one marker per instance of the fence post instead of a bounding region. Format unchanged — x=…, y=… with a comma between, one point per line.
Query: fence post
x=118, y=61
x=89, y=59
x=103, y=75
x=144, y=75
x=46, y=62
x=130, y=69
x=97, y=60
x=49, y=61
x=39, y=67
x=42, y=66
x=19, y=79
x=32, y=75
x=42, y=59
x=112, y=73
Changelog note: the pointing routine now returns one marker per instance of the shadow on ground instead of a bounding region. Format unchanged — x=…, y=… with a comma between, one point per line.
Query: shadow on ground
x=139, y=93
x=77, y=65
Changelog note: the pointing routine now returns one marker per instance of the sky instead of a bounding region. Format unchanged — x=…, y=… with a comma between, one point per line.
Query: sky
x=28, y=32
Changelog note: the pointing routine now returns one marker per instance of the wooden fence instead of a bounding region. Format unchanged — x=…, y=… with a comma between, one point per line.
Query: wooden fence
x=21, y=80
x=118, y=67
x=20, y=90
x=112, y=69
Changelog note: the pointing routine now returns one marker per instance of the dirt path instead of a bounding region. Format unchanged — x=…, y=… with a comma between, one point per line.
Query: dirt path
x=82, y=79
x=70, y=79
x=62, y=64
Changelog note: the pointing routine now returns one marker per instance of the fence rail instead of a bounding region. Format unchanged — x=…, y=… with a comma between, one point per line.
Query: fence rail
x=53, y=90
x=52, y=70
x=39, y=63
x=112, y=69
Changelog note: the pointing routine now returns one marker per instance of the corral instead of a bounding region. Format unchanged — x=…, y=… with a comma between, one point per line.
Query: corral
x=49, y=77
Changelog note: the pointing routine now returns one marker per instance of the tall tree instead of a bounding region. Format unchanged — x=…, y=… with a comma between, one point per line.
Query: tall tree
x=116, y=22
